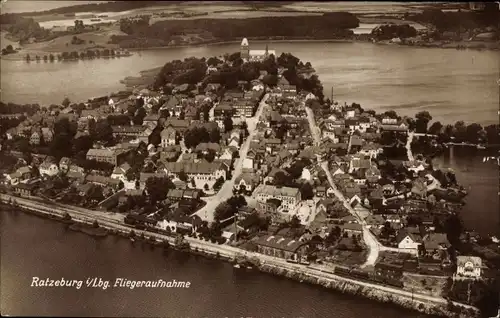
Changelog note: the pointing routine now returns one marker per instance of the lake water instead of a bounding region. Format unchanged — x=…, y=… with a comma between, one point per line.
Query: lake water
x=361, y=7
x=17, y=6
x=481, y=180
x=453, y=85
x=31, y=246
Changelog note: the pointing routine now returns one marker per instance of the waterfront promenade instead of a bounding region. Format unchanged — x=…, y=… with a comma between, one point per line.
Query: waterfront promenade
x=323, y=273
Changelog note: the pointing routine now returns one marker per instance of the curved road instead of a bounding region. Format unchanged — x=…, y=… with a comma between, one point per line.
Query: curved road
x=373, y=245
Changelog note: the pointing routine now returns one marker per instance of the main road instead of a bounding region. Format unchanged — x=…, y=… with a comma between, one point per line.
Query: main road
x=370, y=240
x=317, y=271
x=226, y=191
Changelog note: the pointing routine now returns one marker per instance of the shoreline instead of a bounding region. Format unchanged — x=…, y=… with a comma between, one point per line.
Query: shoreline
x=299, y=273
x=481, y=46
x=451, y=45
x=22, y=57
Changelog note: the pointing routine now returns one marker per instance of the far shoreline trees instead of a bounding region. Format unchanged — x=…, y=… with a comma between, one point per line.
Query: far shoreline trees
x=164, y=33
x=78, y=55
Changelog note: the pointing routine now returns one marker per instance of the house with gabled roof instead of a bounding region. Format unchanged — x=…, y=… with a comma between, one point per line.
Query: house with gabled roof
x=21, y=174
x=372, y=174
x=375, y=221
x=180, y=125
x=151, y=120
x=358, y=162
x=226, y=153
x=468, y=267
x=281, y=247
x=352, y=228
x=401, y=128
x=371, y=149
x=102, y=180
x=356, y=141
x=48, y=134
x=202, y=172
x=48, y=168
x=408, y=241
x=36, y=137
x=435, y=242
x=352, y=124
x=104, y=155
x=168, y=136
x=64, y=164
x=247, y=181
x=120, y=172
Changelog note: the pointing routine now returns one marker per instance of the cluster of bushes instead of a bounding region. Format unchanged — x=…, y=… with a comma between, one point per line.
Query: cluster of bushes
x=481, y=294
x=77, y=41
x=8, y=50
x=390, y=31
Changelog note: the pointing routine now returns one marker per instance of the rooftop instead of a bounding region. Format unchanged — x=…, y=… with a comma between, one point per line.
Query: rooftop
x=279, y=242
x=276, y=191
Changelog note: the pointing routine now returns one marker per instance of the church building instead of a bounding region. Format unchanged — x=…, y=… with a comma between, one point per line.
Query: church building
x=254, y=55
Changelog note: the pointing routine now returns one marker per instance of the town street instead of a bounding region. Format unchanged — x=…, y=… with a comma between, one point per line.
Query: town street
x=224, y=250
x=226, y=191
x=373, y=245
x=435, y=184
x=408, y=146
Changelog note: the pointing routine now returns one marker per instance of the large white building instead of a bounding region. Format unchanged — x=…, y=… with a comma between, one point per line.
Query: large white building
x=289, y=197
x=254, y=55
x=203, y=173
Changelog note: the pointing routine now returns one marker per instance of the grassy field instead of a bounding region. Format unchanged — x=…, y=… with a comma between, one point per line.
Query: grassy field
x=5, y=41
x=63, y=44
x=431, y=285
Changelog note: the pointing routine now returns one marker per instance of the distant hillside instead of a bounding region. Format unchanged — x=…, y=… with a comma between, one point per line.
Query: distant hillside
x=112, y=6
x=327, y=26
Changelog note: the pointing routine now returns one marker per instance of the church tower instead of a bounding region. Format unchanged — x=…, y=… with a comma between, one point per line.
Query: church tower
x=267, y=51
x=245, y=49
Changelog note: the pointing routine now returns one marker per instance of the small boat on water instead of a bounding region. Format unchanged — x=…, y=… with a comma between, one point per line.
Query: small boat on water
x=132, y=239
x=236, y=266
x=480, y=147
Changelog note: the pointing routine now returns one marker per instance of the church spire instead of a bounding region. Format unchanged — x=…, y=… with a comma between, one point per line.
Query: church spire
x=267, y=50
